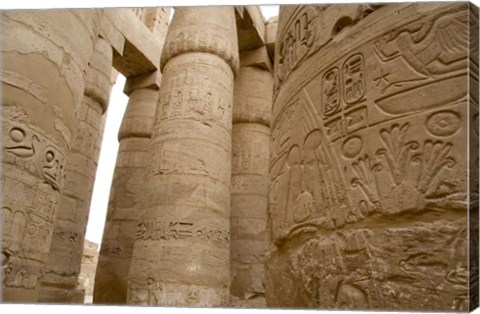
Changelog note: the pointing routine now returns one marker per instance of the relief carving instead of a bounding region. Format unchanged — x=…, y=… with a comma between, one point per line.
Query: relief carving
x=353, y=79
x=398, y=157
x=435, y=53
x=306, y=33
x=176, y=230
x=305, y=205
x=296, y=43
x=386, y=113
x=331, y=92
x=35, y=151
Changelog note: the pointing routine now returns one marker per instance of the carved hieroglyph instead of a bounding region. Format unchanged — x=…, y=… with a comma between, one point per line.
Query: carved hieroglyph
x=250, y=158
x=128, y=188
x=37, y=126
x=64, y=260
x=181, y=250
x=368, y=194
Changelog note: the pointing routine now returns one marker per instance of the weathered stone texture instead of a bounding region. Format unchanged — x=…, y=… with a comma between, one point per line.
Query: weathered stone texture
x=250, y=158
x=61, y=272
x=181, y=251
x=250, y=27
x=37, y=129
x=137, y=51
x=368, y=195
x=87, y=271
x=253, y=96
x=347, y=179
x=128, y=184
x=271, y=28
x=125, y=198
x=195, y=33
x=473, y=217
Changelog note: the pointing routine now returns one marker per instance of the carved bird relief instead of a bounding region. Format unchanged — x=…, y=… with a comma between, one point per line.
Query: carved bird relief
x=437, y=48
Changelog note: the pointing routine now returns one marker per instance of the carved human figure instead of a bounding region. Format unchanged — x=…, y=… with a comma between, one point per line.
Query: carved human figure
x=369, y=140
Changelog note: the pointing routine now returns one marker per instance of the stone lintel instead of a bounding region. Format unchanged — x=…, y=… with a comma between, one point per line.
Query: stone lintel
x=271, y=28
x=150, y=80
x=141, y=52
x=256, y=57
x=250, y=27
x=112, y=35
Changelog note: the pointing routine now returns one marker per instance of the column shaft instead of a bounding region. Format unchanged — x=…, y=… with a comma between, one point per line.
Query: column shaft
x=181, y=251
x=128, y=185
x=125, y=198
x=250, y=159
x=65, y=256
x=44, y=57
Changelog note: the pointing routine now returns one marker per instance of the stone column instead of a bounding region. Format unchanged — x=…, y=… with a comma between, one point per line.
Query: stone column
x=181, y=251
x=128, y=188
x=128, y=182
x=45, y=56
x=250, y=159
x=64, y=260
x=368, y=203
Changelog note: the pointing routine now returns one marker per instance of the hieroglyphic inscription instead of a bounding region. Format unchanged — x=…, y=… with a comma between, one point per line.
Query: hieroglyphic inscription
x=25, y=231
x=160, y=229
x=433, y=54
x=34, y=151
x=296, y=42
x=331, y=92
x=193, y=97
x=353, y=79
x=384, y=147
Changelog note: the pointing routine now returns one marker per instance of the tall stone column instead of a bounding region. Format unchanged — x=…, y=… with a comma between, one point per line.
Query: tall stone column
x=250, y=160
x=127, y=191
x=128, y=182
x=181, y=251
x=369, y=200
x=64, y=260
x=45, y=56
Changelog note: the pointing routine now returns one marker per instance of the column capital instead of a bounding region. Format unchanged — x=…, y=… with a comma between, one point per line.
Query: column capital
x=203, y=29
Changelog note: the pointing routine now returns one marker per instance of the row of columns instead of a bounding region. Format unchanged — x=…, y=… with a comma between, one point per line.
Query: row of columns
x=51, y=137
x=170, y=237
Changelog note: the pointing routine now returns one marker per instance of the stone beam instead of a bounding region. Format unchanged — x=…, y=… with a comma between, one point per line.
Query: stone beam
x=270, y=35
x=150, y=80
x=256, y=57
x=250, y=27
x=141, y=52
